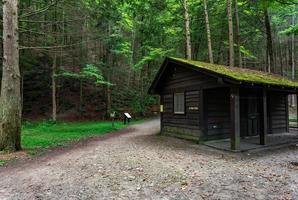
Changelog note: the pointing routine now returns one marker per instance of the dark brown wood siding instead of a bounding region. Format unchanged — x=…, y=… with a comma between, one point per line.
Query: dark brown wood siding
x=190, y=82
x=188, y=120
x=217, y=107
x=277, y=113
x=180, y=79
x=250, y=111
x=182, y=125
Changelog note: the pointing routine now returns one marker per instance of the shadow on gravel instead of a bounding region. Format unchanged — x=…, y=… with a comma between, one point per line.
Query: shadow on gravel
x=161, y=143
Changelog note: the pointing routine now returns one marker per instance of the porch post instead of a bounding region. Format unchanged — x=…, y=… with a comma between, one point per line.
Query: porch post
x=297, y=110
x=264, y=132
x=203, y=118
x=287, y=113
x=235, y=118
x=161, y=111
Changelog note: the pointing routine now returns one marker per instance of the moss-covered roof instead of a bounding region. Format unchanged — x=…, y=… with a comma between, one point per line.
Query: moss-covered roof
x=242, y=75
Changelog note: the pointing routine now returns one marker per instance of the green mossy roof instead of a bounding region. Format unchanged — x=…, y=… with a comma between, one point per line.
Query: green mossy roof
x=242, y=75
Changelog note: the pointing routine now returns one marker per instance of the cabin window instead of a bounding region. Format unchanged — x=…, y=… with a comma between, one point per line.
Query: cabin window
x=179, y=103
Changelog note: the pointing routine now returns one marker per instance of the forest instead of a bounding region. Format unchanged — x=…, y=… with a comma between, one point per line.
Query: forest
x=83, y=59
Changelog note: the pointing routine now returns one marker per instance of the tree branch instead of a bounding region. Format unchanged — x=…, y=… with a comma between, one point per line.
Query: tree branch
x=58, y=47
x=40, y=10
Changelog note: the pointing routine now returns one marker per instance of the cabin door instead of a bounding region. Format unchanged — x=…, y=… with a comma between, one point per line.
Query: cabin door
x=252, y=117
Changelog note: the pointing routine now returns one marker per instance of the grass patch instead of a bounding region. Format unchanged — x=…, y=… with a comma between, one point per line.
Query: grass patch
x=293, y=119
x=2, y=163
x=47, y=134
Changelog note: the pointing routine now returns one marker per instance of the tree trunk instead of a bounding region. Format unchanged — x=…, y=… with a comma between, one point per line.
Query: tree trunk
x=81, y=96
x=220, y=46
x=11, y=116
x=108, y=96
x=231, y=34
x=281, y=57
x=238, y=34
x=187, y=31
x=54, y=68
x=109, y=76
x=287, y=57
x=54, y=98
x=208, y=33
x=293, y=59
x=269, y=41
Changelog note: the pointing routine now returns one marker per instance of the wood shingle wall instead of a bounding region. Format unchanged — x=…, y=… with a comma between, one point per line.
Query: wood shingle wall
x=278, y=113
x=217, y=108
x=190, y=82
x=182, y=125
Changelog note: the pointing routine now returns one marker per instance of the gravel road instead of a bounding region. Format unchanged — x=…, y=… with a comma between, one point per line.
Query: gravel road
x=142, y=165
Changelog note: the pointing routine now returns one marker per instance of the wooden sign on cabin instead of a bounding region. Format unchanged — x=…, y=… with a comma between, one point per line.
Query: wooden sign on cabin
x=193, y=108
x=161, y=108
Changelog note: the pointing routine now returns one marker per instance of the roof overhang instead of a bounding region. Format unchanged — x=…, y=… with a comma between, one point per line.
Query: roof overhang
x=226, y=79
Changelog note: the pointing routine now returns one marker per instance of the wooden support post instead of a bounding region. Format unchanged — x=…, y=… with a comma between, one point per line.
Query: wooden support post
x=287, y=113
x=235, y=118
x=264, y=132
x=161, y=100
x=297, y=112
x=203, y=117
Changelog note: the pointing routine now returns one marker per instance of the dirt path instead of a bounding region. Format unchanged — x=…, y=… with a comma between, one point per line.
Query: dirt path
x=141, y=165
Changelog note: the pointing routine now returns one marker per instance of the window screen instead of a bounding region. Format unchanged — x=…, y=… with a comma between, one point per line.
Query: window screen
x=179, y=103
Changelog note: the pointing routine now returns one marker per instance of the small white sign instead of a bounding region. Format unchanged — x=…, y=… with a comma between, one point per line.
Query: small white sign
x=193, y=108
x=127, y=115
x=112, y=114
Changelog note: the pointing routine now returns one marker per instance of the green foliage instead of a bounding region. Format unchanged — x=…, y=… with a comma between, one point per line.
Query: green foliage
x=291, y=30
x=2, y=163
x=127, y=40
x=154, y=54
x=140, y=104
x=123, y=48
x=89, y=72
x=247, y=53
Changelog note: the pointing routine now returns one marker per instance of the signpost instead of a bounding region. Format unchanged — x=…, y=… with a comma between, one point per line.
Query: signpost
x=112, y=115
x=127, y=118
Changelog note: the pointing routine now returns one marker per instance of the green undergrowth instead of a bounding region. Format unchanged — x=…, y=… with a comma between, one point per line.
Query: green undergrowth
x=44, y=135
x=240, y=74
x=293, y=118
x=2, y=163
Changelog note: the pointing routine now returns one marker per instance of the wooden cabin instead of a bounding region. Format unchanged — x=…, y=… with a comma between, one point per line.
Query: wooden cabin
x=202, y=101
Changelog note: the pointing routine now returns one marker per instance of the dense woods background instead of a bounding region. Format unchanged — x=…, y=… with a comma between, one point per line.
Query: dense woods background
x=81, y=59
